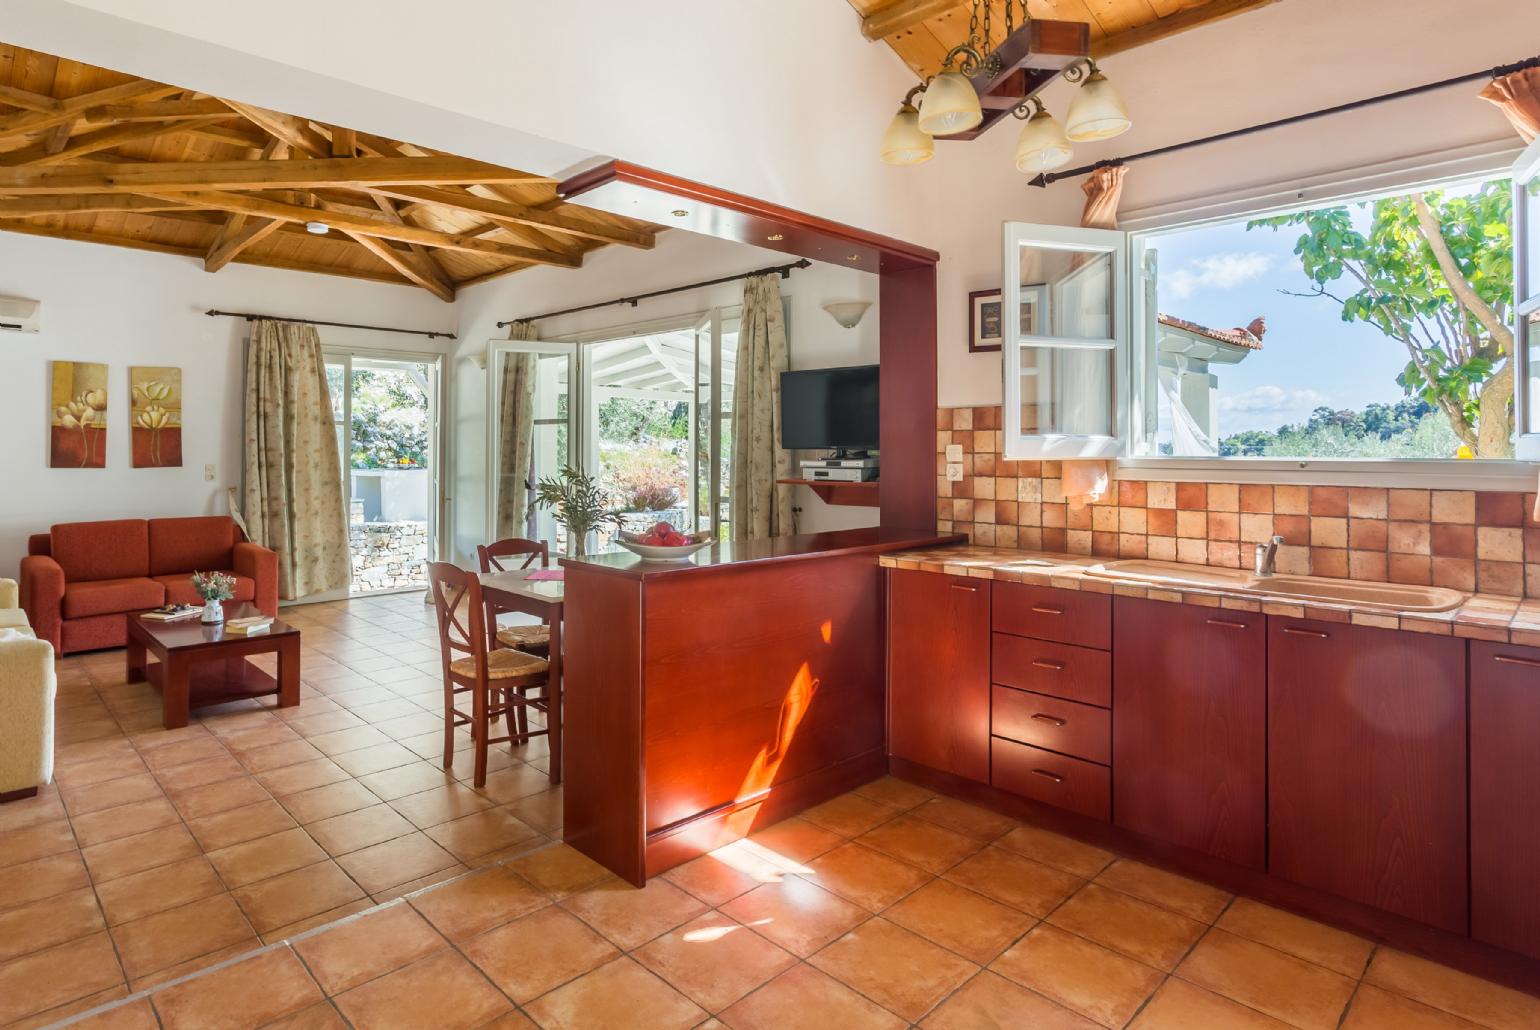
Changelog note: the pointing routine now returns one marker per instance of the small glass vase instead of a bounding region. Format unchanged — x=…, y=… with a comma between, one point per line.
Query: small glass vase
x=213, y=612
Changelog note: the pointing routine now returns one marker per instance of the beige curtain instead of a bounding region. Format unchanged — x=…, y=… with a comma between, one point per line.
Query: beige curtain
x=1103, y=189
x=293, y=474
x=759, y=506
x=515, y=433
x=1518, y=96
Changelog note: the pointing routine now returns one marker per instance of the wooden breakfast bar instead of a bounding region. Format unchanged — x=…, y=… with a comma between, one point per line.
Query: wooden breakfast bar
x=708, y=698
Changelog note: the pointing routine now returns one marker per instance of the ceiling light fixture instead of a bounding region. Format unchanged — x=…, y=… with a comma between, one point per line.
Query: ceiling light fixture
x=776, y=237
x=317, y=228
x=679, y=212
x=1042, y=145
x=1010, y=73
x=1097, y=112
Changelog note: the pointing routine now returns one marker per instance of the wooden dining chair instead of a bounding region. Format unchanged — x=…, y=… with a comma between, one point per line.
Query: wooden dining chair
x=535, y=639
x=499, y=681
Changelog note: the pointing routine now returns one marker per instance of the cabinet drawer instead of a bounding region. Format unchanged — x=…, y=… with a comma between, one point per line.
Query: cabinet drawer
x=1052, y=779
x=1060, y=670
x=1063, y=726
x=1048, y=613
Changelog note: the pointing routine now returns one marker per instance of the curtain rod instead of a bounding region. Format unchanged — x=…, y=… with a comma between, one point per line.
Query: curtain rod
x=248, y=316
x=784, y=270
x=1046, y=178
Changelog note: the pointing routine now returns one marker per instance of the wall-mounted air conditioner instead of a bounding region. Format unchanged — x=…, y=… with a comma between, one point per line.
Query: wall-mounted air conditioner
x=20, y=316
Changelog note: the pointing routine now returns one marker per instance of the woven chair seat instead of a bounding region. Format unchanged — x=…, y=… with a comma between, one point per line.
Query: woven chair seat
x=502, y=664
x=525, y=636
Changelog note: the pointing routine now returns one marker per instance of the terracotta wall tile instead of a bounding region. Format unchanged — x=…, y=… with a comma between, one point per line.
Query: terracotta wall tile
x=1328, y=500
x=1468, y=540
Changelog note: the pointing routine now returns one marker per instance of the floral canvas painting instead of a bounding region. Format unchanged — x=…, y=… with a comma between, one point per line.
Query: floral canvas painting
x=155, y=421
x=78, y=426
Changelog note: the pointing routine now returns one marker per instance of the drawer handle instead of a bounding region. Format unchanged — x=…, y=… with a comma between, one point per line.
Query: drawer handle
x=1044, y=610
x=1044, y=717
x=959, y=586
x=1055, y=777
x=1049, y=664
x=1298, y=632
x=1511, y=660
x=1226, y=623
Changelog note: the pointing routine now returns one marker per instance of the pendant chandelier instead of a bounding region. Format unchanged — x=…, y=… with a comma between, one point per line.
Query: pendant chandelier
x=950, y=104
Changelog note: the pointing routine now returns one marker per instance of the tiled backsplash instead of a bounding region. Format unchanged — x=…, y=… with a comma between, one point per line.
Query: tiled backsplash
x=1484, y=541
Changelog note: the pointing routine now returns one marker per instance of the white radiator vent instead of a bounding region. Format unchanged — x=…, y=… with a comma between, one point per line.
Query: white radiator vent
x=20, y=316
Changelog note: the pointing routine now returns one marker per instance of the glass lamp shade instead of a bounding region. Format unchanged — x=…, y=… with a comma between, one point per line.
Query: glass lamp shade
x=1097, y=112
x=949, y=105
x=1042, y=145
x=904, y=143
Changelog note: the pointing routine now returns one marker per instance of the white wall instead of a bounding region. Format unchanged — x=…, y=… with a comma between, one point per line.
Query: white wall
x=815, y=340
x=130, y=307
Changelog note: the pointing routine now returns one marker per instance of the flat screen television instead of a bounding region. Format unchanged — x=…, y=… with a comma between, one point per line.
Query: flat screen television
x=830, y=409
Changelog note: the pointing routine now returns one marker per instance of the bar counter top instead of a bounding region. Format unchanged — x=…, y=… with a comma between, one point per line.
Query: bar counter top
x=724, y=553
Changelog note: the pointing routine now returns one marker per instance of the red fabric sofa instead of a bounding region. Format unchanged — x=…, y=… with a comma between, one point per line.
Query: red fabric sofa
x=80, y=580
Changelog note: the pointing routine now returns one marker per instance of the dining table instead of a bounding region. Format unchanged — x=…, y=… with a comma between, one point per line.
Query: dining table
x=538, y=592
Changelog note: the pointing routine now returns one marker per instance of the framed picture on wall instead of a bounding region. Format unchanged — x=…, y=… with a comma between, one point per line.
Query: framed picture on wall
x=984, y=328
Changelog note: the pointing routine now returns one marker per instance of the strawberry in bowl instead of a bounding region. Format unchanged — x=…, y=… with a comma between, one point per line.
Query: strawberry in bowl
x=663, y=542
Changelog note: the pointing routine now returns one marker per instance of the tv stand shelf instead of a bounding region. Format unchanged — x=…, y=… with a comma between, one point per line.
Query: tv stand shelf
x=860, y=495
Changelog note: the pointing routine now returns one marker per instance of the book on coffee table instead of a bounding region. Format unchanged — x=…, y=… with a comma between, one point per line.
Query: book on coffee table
x=172, y=613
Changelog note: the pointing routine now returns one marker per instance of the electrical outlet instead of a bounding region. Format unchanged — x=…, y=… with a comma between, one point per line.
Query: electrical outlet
x=954, y=452
x=954, y=471
x=208, y=473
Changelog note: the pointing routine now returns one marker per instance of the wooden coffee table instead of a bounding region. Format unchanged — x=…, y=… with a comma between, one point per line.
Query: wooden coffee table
x=200, y=665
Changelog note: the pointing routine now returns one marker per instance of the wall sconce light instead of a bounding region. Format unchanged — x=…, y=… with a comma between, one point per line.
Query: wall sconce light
x=848, y=313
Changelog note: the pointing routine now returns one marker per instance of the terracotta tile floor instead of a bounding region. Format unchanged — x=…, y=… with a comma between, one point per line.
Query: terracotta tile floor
x=267, y=868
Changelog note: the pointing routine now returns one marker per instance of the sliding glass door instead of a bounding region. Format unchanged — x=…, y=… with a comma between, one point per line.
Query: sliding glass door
x=385, y=407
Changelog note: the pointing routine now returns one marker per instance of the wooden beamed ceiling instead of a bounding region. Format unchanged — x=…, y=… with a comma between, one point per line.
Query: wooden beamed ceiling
x=96, y=155
x=922, y=31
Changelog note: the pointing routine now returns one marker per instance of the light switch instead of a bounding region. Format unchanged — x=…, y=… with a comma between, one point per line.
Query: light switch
x=208, y=473
x=954, y=471
x=954, y=452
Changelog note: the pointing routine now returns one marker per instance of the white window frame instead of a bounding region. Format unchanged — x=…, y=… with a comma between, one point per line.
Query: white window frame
x=496, y=349
x=1019, y=445
x=1136, y=460
x=1526, y=169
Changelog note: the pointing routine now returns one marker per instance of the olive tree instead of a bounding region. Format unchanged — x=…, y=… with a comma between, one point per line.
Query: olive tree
x=1434, y=271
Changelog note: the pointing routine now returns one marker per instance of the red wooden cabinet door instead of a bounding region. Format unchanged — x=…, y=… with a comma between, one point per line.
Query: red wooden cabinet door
x=1366, y=766
x=1505, y=795
x=1189, y=727
x=938, y=671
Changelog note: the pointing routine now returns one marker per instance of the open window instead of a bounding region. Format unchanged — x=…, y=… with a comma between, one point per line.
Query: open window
x=1066, y=351
x=1392, y=335
x=1526, y=296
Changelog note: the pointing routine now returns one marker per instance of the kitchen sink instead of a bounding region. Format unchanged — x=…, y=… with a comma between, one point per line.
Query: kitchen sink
x=1389, y=596
x=1369, y=595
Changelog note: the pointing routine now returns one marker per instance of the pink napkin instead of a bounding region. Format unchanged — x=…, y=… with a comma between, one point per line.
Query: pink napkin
x=543, y=574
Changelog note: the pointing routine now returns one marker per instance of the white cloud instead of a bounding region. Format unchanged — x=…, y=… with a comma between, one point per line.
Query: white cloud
x=1266, y=400
x=1217, y=271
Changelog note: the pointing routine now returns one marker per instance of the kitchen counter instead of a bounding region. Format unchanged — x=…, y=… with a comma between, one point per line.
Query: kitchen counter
x=1514, y=620
x=708, y=698
x=727, y=554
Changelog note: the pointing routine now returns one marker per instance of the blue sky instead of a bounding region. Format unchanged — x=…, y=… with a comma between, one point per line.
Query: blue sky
x=1224, y=276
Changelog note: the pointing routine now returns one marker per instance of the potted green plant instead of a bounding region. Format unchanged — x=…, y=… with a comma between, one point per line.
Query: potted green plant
x=213, y=587
x=576, y=501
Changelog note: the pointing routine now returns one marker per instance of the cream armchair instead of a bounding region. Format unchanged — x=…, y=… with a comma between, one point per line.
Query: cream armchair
x=27, y=689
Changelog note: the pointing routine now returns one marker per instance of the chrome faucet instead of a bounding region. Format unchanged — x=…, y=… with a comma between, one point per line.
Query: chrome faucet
x=1266, y=557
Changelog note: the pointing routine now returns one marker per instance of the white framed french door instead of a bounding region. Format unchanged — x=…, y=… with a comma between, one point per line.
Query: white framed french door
x=386, y=408
x=556, y=429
